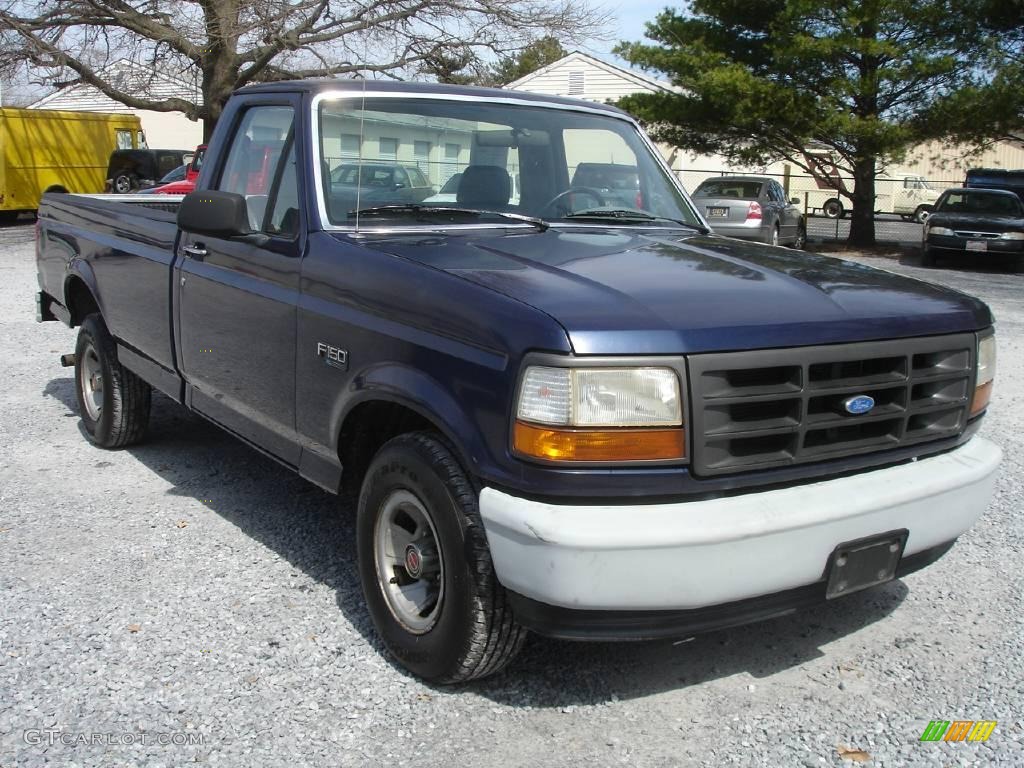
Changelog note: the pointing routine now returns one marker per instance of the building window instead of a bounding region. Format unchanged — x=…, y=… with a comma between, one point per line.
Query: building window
x=350, y=146
x=388, y=149
x=576, y=83
x=421, y=154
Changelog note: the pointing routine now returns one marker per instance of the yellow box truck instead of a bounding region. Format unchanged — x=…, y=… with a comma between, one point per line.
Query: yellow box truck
x=46, y=150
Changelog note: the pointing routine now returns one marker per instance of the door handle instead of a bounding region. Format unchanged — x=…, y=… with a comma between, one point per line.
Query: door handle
x=197, y=251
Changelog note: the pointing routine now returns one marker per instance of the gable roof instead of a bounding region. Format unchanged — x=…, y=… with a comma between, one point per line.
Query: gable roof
x=578, y=58
x=126, y=75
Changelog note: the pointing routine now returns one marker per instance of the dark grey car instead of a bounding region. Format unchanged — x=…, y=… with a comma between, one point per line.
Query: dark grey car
x=751, y=208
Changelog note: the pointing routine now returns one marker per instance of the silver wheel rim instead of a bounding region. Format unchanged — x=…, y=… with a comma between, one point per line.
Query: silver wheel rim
x=91, y=382
x=123, y=184
x=408, y=561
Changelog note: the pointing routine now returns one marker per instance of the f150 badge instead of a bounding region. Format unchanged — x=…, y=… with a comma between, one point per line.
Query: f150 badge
x=332, y=356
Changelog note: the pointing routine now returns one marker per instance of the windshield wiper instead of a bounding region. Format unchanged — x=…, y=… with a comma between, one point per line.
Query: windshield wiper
x=624, y=214
x=417, y=209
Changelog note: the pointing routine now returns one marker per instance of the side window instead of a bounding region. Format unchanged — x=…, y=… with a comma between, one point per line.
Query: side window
x=254, y=157
x=123, y=137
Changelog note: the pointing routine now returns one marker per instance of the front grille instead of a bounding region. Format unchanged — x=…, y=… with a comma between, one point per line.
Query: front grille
x=773, y=408
x=983, y=235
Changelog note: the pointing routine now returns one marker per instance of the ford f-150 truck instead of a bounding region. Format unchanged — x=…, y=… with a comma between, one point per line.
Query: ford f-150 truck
x=559, y=412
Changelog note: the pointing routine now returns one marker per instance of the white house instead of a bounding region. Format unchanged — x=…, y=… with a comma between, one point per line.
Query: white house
x=164, y=130
x=585, y=77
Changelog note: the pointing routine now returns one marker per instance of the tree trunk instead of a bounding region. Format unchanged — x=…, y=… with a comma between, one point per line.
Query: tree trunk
x=862, y=219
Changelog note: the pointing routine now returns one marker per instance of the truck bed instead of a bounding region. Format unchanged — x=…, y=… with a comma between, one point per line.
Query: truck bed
x=131, y=242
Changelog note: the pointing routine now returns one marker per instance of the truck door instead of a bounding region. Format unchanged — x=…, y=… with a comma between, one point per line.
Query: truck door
x=237, y=297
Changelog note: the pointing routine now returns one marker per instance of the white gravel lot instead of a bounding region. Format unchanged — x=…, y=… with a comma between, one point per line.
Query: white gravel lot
x=190, y=589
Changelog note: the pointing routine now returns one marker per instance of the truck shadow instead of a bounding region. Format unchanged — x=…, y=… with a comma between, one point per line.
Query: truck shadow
x=309, y=528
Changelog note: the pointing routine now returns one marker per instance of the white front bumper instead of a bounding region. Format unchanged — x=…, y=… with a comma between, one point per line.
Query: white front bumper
x=700, y=553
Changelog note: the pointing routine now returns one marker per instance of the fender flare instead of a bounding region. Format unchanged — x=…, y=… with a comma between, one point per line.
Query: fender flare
x=413, y=389
x=81, y=270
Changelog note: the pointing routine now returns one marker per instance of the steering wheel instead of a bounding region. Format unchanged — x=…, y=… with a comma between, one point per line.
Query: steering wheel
x=572, y=191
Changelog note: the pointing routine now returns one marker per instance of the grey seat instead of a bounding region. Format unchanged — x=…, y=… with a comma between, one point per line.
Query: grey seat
x=484, y=186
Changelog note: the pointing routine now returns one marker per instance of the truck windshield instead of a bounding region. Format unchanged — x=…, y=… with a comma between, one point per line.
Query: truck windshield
x=561, y=165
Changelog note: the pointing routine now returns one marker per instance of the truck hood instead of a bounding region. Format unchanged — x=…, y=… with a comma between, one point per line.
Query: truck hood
x=621, y=291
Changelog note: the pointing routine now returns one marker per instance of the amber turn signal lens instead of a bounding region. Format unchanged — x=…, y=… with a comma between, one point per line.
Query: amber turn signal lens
x=621, y=445
x=982, y=395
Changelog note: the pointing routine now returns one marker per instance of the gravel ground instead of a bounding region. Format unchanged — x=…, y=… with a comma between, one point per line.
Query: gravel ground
x=191, y=590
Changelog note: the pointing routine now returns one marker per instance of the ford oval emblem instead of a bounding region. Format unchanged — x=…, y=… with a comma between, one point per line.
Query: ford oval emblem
x=859, y=404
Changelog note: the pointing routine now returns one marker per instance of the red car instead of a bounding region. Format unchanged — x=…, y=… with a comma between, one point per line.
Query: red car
x=187, y=184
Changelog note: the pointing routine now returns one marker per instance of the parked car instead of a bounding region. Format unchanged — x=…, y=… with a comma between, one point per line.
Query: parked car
x=187, y=183
x=751, y=208
x=591, y=424
x=618, y=184
x=46, y=150
x=130, y=170
x=449, y=191
x=978, y=222
x=381, y=183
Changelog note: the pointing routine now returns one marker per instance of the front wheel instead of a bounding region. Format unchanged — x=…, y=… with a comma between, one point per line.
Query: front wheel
x=928, y=259
x=425, y=567
x=113, y=401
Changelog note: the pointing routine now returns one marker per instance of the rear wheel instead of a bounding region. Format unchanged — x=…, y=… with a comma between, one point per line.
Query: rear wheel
x=921, y=214
x=425, y=567
x=833, y=208
x=125, y=182
x=801, y=238
x=8, y=217
x=113, y=401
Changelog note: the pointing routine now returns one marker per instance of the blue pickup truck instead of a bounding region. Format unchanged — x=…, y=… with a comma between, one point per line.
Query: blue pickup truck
x=558, y=412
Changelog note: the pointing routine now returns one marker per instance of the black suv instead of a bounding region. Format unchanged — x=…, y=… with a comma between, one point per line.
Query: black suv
x=130, y=170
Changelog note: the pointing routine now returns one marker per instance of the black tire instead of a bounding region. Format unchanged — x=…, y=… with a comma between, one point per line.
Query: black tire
x=801, y=238
x=8, y=217
x=928, y=259
x=833, y=208
x=473, y=633
x=121, y=415
x=922, y=213
x=125, y=182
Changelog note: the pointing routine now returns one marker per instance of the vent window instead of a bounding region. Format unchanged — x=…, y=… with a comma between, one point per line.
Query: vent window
x=576, y=83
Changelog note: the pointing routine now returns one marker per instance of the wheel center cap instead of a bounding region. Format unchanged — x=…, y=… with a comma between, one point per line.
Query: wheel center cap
x=413, y=561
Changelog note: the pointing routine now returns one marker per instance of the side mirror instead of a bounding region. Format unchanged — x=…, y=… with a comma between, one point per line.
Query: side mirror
x=794, y=201
x=213, y=213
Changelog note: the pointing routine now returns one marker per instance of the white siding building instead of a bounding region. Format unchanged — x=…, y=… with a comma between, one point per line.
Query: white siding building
x=585, y=77
x=163, y=130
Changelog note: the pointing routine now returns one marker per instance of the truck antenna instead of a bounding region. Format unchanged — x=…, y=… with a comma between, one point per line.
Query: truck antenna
x=359, y=162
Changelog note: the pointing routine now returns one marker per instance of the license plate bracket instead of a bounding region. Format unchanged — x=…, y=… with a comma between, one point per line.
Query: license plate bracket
x=716, y=212
x=862, y=563
x=977, y=245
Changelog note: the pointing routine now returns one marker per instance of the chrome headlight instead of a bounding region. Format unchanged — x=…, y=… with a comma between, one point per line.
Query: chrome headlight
x=940, y=231
x=1012, y=236
x=599, y=414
